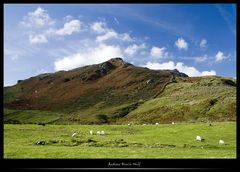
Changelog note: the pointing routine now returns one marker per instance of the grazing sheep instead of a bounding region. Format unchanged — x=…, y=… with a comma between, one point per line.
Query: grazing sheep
x=172, y=122
x=199, y=138
x=91, y=132
x=144, y=124
x=157, y=123
x=74, y=134
x=129, y=124
x=98, y=132
x=221, y=142
x=102, y=132
x=41, y=143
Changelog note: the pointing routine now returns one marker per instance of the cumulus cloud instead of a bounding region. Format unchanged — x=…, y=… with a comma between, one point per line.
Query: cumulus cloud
x=108, y=33
x=133, y=49
x=220, y=56
x=208, y=73
x=181, y=44
x=106, y=36
x=190, y=71
x=69, y=28
x=99, y=27
x=203, y=43
x=126, y=37
x=67, y=18
x=159, y=52
x=37, y=18
x=37, y=39
x=91, y=56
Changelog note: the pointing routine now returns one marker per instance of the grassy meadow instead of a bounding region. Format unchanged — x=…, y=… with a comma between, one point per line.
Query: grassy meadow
x=120, y=141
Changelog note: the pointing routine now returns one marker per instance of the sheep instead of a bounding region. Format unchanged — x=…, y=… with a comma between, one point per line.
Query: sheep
x=221, y=142
x=199, y=138
x=102, y=132
x=129, y=124
x=98, y=132
x=91, y=132
x=157, y=123
x=172, y=122
x=74, y=134
x=144, y=124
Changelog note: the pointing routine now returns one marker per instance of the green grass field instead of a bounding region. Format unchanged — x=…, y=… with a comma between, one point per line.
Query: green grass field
x=120, y=141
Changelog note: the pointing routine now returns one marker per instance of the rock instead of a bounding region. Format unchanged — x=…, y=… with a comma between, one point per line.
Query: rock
x=106, y=67
x=149, y=81
x=176, y=72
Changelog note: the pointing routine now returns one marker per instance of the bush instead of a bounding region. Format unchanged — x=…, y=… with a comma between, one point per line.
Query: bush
x=102, y=118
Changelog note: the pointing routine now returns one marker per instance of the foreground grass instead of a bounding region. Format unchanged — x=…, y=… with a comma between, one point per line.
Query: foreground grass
x=120, y=141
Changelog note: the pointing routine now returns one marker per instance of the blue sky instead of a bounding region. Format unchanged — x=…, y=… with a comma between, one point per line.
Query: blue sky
x=197, y=39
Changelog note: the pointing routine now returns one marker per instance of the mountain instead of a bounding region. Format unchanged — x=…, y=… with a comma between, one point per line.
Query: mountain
x=118, y=92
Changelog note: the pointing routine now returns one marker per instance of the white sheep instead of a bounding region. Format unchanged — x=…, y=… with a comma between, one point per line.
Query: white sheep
x=198, y=138
x=91, y=132
x=98, y=132
x=221, y=142
x=102, y=132
x=129, y=124
x=157, y=123
x=172, y=122
x=74, y=134
x=144, y=124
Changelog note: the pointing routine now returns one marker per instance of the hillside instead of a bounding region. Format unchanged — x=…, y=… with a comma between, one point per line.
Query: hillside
x=196, y=99
x=118, y=92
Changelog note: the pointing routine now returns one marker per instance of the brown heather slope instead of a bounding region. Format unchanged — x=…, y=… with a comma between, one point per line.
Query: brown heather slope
x=112, y=83
x=117, y=92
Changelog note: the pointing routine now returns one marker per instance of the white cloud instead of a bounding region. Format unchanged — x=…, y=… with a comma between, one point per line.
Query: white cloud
x=125, y=37
x=37, y=39
x=108, y=33
x=203, y=43
x=219, y=56
x=69, y=28
x=133, y=49
x=159, y=52
x=190, y=71
x=106, y=36
x=99, y=27
x=91, y=56
x=68, y=18
x=181, y=44
x=201, y=58
x=37, y=18
x=208, y=73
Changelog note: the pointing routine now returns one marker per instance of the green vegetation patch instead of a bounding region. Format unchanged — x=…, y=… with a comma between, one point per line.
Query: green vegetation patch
x=120, y=141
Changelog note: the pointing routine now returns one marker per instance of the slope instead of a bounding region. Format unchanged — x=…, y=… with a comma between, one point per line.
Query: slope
x=193, y=99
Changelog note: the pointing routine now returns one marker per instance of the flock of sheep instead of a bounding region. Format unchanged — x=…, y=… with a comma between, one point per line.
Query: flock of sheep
x=198, y=138
x=91, y=132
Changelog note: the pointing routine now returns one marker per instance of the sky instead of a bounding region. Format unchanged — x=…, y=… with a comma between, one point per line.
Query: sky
x=197, y=39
